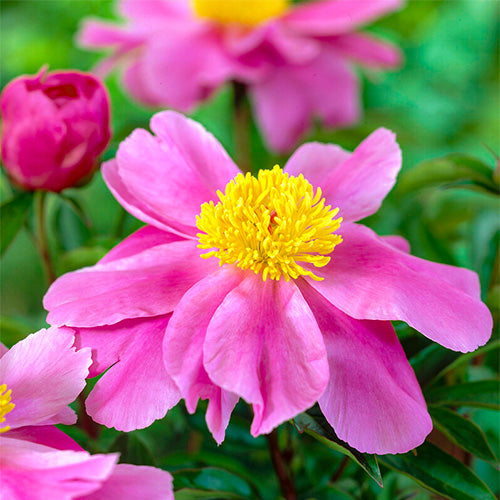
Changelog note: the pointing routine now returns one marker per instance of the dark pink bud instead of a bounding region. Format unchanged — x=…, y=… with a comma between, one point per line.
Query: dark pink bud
x=54, y=126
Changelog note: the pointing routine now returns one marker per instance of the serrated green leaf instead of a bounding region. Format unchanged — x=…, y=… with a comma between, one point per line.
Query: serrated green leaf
x=12, y=214
x=313, y=422
x=454, y=170
x=439, y=472
x=210, y=482
x=481, y=394
x=462, y=432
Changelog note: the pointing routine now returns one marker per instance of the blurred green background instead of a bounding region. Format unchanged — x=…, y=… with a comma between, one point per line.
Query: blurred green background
x=444, y=99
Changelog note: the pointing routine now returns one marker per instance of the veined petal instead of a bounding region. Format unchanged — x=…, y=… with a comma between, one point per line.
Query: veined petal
x=373, y=400
x=264, y=344
x=183, y=348
x=369, y=279
x=136, y=390
x=29, y=370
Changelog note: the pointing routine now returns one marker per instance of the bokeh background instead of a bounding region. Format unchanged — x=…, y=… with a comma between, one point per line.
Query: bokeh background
x=444, y=99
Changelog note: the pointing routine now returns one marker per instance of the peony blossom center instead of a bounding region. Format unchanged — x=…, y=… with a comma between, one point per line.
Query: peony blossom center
x=5, y=406
x=246, y=12
x=270, y=224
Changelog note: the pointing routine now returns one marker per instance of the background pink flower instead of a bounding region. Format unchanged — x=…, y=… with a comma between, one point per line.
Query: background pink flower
x=226, y=333
x=297, y=60
x=42, y=374
x=54, y=126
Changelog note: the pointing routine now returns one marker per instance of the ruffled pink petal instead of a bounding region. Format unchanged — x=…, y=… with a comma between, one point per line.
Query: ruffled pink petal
x=367, y=50
x=140, y=209
x=183, y=348
x=369, y=279
x=330, y=17
x=134, y=482
x=174, y=173
x=373, y=400
x=264, y=344
x=136, y=390
x=30, y=370
x=143, y=285
x=46, y=435
x=47, y=473
x=286, y=102
x=356, y=183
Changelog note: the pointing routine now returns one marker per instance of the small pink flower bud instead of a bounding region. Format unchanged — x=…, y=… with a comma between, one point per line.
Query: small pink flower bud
x=54, y=126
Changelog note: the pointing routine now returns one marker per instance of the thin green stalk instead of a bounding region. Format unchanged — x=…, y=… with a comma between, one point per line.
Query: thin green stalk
x=41, y=236
x=285, y=479
x=241, y=124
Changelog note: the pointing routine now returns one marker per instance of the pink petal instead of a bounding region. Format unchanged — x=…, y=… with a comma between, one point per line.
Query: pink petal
x=263, y=344
x=367, y=50
x=47, y=473
x=286, y=102
x=152, y=10
x=143, y=285
x=136, y=207
x=183, y=348
x=46, y=435
x=174, y=173
x=373, y=400
x=357, y=184
x=136, y=390
x=398, y=242
x=30, y=370
x=134, y=482
x=369, y=279
x=331, y=17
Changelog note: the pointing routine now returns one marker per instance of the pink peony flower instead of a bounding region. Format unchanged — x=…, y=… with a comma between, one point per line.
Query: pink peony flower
x=297, y=60
x=40, y=376
x=54, y=126
x=255, y=288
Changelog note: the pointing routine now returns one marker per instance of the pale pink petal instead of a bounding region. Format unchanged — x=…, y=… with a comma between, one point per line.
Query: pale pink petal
x=287, y=101
x=357, y=184
x=50, y=474
x=151, y=10
x=330, y=17
x=99, y=34
x=140, y=209
x=373, y=400
x=367, y=50
x=134, y=482
x=46, y=435
x=3, y=350
x=136, y=390
x=369, y=279
x=146, y=284
x=264, y=344
x=183, y=348
x=32, y=367
x=174, y=173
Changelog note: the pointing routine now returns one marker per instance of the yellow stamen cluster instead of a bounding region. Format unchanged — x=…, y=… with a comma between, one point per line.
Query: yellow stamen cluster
x=5, y=406
x=245, y=12
x=269, y=224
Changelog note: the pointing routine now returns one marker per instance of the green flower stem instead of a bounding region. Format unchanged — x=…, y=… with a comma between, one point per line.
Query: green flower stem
x=285, y=479
x=41, y=236
x=242, y=121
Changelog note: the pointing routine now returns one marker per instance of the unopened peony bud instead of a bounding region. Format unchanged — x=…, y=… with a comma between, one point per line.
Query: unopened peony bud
x=54, y=126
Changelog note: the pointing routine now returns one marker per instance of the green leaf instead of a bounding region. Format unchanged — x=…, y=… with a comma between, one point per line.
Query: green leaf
x=439, y=472
x=210, y=482
x=132, y=450
x=12, y=214
x=454, y=170
x=462, y=432
x=314, y=423
x=79, y=257
x=482, y=394
x=430, y=361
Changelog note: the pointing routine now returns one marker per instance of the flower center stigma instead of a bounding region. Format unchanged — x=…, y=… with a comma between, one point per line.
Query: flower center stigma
x=245, y=12
x=5, y=406
x=270, y=224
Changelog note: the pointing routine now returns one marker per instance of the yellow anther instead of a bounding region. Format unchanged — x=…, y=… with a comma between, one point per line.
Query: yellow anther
x=269, y=224
x=5, y=406
x=245, y=12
